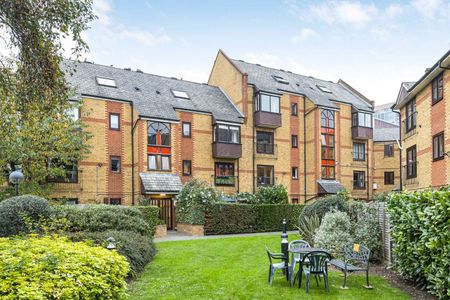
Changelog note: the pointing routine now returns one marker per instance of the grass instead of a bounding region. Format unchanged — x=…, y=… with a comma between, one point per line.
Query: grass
x=237, y=268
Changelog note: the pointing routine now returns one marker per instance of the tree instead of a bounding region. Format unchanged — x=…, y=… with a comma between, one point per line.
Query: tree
x=37, y=130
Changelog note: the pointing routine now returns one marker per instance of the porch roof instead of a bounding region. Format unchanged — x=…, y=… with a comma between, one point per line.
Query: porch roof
x=329, y=186
x=155, y=183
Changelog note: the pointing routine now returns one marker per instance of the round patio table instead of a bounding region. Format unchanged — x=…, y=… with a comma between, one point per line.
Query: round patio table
x=303, y=252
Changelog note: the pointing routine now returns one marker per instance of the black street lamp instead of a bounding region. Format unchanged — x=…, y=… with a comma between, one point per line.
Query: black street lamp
x=16, y=178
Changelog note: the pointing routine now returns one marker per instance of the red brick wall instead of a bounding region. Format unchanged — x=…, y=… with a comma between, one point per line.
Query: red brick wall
x=295, y=153
x=438, y=168
x=115, y=142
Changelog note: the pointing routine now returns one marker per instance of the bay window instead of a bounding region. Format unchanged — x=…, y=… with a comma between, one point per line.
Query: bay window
x=227, y=134
x=362, y=119
x=268, y=103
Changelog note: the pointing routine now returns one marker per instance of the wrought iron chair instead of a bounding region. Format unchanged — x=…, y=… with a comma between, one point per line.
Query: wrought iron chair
x=317, y=266
x=355, y=260
x=275, y=266
x=297, y=257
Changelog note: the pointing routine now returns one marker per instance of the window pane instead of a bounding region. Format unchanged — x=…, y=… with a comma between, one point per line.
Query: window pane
x=223, y=134
x=73, y=113
x=294, y=109
x=152, y=162
x=186, y=129
x=165, y=139
x=186, y=167
x=115, y=164
x=265, y=103
x=165, y=163
x=114, y=121
x=275, y=104
x=234, y=134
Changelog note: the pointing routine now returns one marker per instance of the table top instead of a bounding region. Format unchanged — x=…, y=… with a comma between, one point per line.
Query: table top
x=306, y=250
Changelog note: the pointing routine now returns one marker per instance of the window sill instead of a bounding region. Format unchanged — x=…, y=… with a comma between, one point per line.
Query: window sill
x=360, y=160
x=359, y=188
x=438, y=158
x=433, y=102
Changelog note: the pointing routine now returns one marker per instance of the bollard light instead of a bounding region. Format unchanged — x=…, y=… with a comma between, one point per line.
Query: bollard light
x=16, y=178
x=284, y=249
x=111, y=243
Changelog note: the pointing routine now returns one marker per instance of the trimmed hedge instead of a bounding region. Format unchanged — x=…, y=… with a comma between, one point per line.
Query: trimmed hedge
x=13, y=212
x=151, y=216
x=139, y=250
x=420, y=229
x=321, y=206
x=94, y=218
x=228, y=218
x=54, y=268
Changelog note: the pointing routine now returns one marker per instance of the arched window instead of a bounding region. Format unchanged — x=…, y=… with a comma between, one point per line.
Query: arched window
x=158, y=134
x=327, y=119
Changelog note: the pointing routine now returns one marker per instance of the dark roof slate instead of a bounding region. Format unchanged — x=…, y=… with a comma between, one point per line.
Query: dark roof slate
x=385, y=134
x=161, y=183
x=262, y=78
x=151, y=94
x=329, y=186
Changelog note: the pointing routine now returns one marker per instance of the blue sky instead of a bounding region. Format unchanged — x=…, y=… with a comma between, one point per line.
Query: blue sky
x=373, y=45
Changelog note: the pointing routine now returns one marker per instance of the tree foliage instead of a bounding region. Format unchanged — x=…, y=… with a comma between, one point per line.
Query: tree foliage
x=36, y=124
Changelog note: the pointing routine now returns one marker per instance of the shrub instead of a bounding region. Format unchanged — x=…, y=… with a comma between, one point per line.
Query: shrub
x=383, y=197
x=334, y=232
x=151, y=216
x=95, y=218
x=54, y=268
x=16, y=210
x=308, y=226
x=323, y=205
x=420, y=229
x=365, y=227
x=229, y=218
x=193, y=200
x=276, y=194
x=247, y=198
x=139, y=250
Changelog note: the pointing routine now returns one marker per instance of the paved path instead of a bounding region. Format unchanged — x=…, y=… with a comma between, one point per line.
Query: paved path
x=178, y=236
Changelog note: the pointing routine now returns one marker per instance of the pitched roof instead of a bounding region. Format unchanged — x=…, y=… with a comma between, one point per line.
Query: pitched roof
x=329, y=186
x=160, y=183
x=152, y=94
x=263, y=78
x=386, y=134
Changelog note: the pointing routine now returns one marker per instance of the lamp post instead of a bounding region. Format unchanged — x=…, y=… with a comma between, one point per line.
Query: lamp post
x=284, y=249
x=16, y=178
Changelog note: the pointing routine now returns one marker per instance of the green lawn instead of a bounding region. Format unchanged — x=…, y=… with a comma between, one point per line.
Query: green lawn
x=236, y=268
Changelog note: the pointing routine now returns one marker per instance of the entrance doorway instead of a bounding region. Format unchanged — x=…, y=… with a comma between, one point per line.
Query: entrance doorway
x=167, y=210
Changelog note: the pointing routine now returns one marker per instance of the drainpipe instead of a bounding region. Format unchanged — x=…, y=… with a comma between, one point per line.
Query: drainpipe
x=399, y=142
x=132, y=152
x=238, y=175
x=253, y=141
x=304, y=147
x=368, y=177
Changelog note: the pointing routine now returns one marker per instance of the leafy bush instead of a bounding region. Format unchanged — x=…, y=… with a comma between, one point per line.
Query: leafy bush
x=139, y=250
x=151, y=216
x=365, y=227
x=420, y=229
x=334, y=232
x=246, y=197
x=308, y=226
x=54, y=268
x=193, y=201
x=242, y=218
x=323, y=205
x=14, y=212
x=276, y=194
x=95, y=218
x=383, y=197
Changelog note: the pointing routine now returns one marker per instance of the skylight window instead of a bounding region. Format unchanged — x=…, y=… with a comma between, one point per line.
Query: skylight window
x=106, y=81
x=180, y=94
x=324, y=89
x=280, y=79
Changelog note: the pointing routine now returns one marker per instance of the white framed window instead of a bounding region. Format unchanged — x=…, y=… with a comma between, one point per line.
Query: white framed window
x=106, y=81
x=180, y=94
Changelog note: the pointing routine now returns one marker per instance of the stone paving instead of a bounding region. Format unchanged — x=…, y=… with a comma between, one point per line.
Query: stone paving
x=178, y=236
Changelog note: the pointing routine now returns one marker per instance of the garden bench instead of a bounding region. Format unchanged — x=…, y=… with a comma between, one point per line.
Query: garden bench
x=356, y=259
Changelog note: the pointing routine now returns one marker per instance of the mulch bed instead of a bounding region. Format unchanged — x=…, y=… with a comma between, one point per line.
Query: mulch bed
x=396, y=280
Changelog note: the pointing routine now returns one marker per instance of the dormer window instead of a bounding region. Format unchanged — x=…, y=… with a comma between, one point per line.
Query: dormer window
x=106, y=81
x=324, y=89
x=280, y=79
x=180, y=94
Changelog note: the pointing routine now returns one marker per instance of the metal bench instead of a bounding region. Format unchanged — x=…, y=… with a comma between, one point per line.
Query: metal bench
x=354, y=261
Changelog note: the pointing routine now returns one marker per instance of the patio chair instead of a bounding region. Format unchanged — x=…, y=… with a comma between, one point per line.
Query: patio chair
x=318, y=265
x=275, y=266
x=296, y=257
x=355, y=260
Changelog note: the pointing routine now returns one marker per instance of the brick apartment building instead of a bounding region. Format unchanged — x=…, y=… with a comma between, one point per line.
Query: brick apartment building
x=425, y=107
x=250, y=126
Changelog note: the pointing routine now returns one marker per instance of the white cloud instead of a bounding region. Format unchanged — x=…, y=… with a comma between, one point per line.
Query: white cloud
x=394, y=10
x=427, y=8
x=304, y=34
x=344, y=12
x=144, y=37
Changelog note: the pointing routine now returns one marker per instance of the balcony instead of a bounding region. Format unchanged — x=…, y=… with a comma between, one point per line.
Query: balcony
x=267, y=119
x=227, y=150
x=363, y=133
x=224, y=180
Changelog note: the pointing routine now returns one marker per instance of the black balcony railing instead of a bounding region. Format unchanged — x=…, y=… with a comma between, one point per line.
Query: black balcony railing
x=71, y=177
x=265, y=148
x=224, y=180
